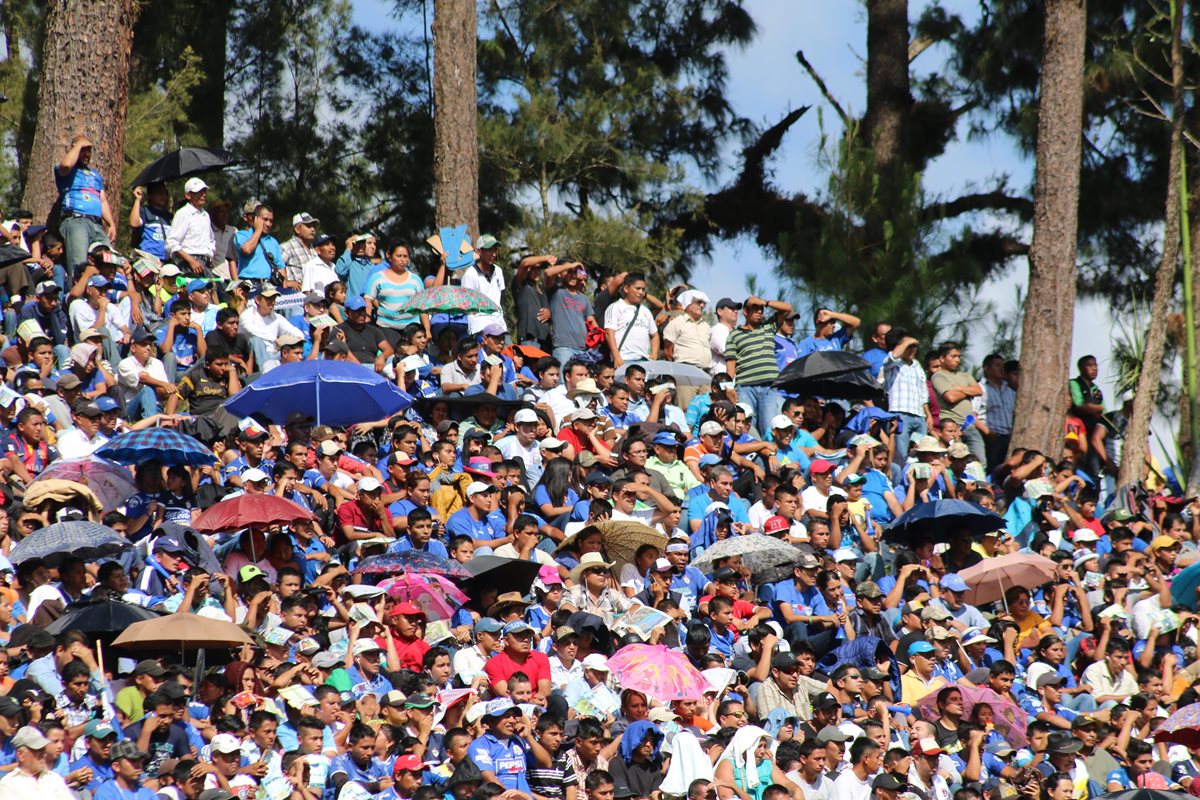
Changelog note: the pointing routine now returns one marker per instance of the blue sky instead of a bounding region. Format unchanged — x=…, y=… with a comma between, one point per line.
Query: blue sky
x=765, y=81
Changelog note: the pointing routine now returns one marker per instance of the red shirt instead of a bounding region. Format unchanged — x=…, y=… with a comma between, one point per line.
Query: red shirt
x=410, y=653
x=500, y=668
x=569, y=436
x=352, y=514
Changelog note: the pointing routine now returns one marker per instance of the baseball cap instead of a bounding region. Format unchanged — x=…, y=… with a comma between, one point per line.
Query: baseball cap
x=226, y=743
x=105, y=403
x=1050, y=679
x=407, y=609
x=776, y=524
x=825, y=700
x=249, y=573
x=1089, y=535
x=393, y=699
x=498, y=707
x=87, y=409
x=516, y=626
x=368, y=484
x=926, y=746
x=98, y=729
x=832, y=733
x=324, y=238
x=493, y=329
x=723, y=575
x=69, y=380
x=30, y=737
x=9, y=707
x=782, y=661
x=198, y=285
x=364, y=646
x=486, y=242
x=99, y=281
x=935, y=613
x=597, y=662
x=920, y=647
x=711, y=428
x=820, y=467
x=708, y=460
x=304, y=218
x=552, y=443
x=168, y=544
x=489, y=625
x=781, y=422
x=525, y=415
x=254, y=475
x=868, y=589
x=666, y=438
x=127, y=748
x=844, y=555
x=207, y=794
x=854, y=479
x=408, y=762
x=419, y=700
x=807, y=561
x=47, y=287
x=1163, y=542
x=661, y=565
x=328, y=448
x=479, y=487
x=952, y=582
x=725, y=302
x=889, y=782
x=149, y=666
x=290, y=340
x=355, y=303
x=169, y=271
x=194, y=185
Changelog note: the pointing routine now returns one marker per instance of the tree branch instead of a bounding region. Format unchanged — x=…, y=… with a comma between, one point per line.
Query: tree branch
x=820, y=82
x=982, y=201
x=919, y=45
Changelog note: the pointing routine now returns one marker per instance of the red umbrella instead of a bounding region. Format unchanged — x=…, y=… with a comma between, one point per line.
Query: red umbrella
x=250, y=511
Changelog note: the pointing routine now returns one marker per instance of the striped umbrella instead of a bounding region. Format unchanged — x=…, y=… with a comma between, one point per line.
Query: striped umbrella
x=167, y=446
x=449, y=299
x=658, y=672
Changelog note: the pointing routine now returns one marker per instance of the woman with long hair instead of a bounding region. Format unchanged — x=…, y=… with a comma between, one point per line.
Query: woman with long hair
x=556, y=493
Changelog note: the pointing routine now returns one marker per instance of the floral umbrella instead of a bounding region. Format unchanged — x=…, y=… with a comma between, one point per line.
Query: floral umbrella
x=437, y=597
x=454, y=299
x=1182, y=727
x=417, y=561
x=658, y=672
x=1010, y=719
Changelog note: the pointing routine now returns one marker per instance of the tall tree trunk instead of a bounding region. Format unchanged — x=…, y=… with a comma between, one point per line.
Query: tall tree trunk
x=889, y=104
x=1050, y=304
x=1137, y=436
x=84, y=88
x=456, y=114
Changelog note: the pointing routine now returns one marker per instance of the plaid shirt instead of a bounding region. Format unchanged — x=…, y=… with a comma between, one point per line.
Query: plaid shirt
x=610, y=605
x=295, y=256
x=92, y=706
x=907, y=392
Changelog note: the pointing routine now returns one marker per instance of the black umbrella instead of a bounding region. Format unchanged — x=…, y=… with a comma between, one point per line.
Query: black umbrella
x=98, y=617
x=11, y=254
x=184, y=163
x=942, y=519
x=463, y=407
x=501, y=574
x=830, y=373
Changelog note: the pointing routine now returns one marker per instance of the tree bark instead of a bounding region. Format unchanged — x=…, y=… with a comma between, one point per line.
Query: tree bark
x=84, y=88
x=455, y=122
x=1046, y=332
x=1137, y=436
x=889, y=99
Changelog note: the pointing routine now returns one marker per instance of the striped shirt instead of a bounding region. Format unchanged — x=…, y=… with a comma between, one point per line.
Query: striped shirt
x=907, y=391
x=753, y=350
x=391, y=295
x=552, y=782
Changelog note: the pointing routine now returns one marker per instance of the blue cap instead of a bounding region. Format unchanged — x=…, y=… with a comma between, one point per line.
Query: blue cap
x=99, y=281
x=489, y=625
x=106, y=403
x=708, y=459
x=665, y=438
x=919, y=647
x=198, y=285
x=952, y=582
x=355, y=303
x=516, y=626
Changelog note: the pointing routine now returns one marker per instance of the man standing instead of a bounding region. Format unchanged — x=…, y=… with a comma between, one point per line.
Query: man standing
x=629, y=326
x=750, y=357
x=1087, y=403
x=300, y=249
x=908, y=392
x=954, y=389
x=1001, y=399
x=878, y=353
x=32, y=778
x=826, y=335
x=320, y=270
x=485, y=277
x=571, y=310
x=190, y=240
x=688, y=336
x=259, y=256
x=727, y=314
x=86, y=216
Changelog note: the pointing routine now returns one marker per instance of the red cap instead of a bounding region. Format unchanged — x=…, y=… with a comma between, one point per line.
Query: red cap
x=926, y=747
x=776, y=524
x=407, y=609
x=407, y=763
x=820, y=467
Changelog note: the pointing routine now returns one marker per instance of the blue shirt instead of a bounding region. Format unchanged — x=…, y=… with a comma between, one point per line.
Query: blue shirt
x=359, y=683
x=404, y=544
x=184, y=345
x=785, y=351
x=875, y=487
x=690, y=583
x=461, y=523
x=506, y=760
x=806, y=602
x=100, y=772
x=813, y=345
x=110, y=791
x=369, y=774
x=355, y=272
x=80, y=189
x=256, y=266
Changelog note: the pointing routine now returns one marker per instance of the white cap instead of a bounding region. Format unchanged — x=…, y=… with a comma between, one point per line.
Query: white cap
x=711, y=428
x=411, y=363
x=254, y=474
x=780, y=422
x=1085, y=535
x=194, y=185
x=304, y=218
x=525, y=415
x=478, y=487
x=597, y=662
x=551, y=443
x=366, y=646
x=715, y=505
x=749, y=409
x=362, y=591
x=844, y=555
x=169, y=271
x=368, y=484
x=225, y=743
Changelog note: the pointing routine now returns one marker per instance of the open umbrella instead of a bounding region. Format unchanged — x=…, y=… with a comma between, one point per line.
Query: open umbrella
x=250, y=511
x=942, y=519
x=182, y=632
x=501, y=574
x=1010, y=719
x=11, y=254
x=452, y=299
x=433, y=594
x=411, y=561
x=758, y=552
x=334, y=392
x=184, y=163
x=1147, y=794
x=1184, y=586
x=658, y=672
x=621, y=540
x=830, y=373
x=111, y=483
x=682, y=374
x=167, y=446
x=87, y=540
x=1182, y=727
x=98, y=617
x=988, y=580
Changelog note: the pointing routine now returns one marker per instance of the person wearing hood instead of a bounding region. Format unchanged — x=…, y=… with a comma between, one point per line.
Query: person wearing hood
x=639, y=769
x=748, y=765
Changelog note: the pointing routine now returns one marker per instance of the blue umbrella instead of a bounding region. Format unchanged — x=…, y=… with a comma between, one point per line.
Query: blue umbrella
x=86, y=540
x=942, y=519
x=334, y=392
x=861, y=422
x=1183, y=586
x=167, y=446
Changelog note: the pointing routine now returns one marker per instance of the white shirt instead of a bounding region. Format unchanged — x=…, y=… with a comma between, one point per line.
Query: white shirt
x=720, y=333
x=453, y=375
x=491, y=288
x=560, y=404
x=20, y=785
x=812, y=500
x=849, y=787
x=75, y=444
x=637, y=344
x=129, y=373
x=316, y=275
x=510, y=447
x=191, y=231
x=821, y=790
x=116, y=315
x=268, y=328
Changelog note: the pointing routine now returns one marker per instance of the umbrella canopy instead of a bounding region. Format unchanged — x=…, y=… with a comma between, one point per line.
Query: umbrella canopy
x=437, y=597
x=411, y=561
x=1182, y=727
x=1009, y=718
x=11, y=254
x=988, y=580
x=184, y=163
x=1147, y=794
x=454, y=299
x=622, y=540
x=940, y=520
x=501, y=574
x=1184, y=586
x=87, y=540
x=97, y=617
x=464, y=406
x=759, y=553
x=830, y=373
x=683, y=374
x=110, y=482
x=182, y=632
x=334, y=392
x=250, y=511
x=657, y=672
x=167, y=446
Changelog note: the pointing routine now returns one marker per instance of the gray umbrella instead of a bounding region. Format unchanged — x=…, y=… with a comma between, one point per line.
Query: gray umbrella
x=682, y=374
x=759, y=553
x=86, y=540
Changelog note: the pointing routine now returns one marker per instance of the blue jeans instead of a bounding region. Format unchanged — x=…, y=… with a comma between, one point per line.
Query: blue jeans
x=142, y=405
x=913, y=427
x=565, y=354
x=259, y=348
x=78, y=234
x=766, y=402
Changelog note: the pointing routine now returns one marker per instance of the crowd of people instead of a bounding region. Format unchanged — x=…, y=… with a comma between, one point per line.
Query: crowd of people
x=856, y=667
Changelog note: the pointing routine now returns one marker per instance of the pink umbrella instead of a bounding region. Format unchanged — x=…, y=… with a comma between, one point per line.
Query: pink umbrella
x=437, y=597
x=1009, y=718
x=657, y=672
x=988, y=580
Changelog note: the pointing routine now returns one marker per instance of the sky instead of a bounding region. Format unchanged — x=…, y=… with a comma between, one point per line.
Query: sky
x=765, y=82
